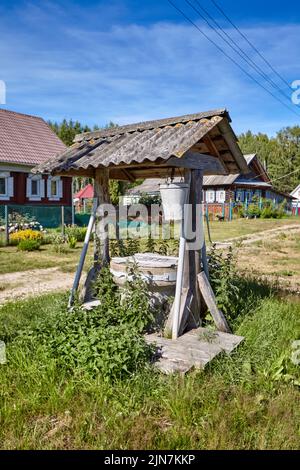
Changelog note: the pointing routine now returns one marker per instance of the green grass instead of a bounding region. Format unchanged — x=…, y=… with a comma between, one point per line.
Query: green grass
x=235, y=404
x=12, y=260
x=242, y=227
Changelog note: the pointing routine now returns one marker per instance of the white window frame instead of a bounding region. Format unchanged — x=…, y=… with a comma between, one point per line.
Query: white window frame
x=221, y=196
x=210, y=196
x=9, y=186
x=59, y=188
x=240, y=195
x=40, y=188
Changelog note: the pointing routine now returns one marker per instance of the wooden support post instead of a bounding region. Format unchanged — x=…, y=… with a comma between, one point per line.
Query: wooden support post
x=73, y=206
x=101, y=241
x=187, y=304
x=63, y=221
x=101, y=189
x=6, y=225
x=209, y=298
x=195, y=201
x=83, y=256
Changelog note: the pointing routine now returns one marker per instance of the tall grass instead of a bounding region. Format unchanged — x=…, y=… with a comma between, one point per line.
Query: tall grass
x=236, y=403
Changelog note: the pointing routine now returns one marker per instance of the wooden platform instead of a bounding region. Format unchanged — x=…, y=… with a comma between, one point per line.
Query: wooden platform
x=194, y=349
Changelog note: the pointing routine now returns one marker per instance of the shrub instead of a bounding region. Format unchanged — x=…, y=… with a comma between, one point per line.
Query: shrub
x=72, y=242
x=23, y=235
x=29, y=245
x=107, y=340
x=76, y=232
x=225, y=282
x=148, y=199
x=253, y=211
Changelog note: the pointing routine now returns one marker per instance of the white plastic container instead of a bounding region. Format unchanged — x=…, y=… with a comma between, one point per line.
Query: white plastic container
x=174, y=197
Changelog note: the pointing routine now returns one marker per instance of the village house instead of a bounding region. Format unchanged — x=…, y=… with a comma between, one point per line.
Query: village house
x=223, y=189
x=296, y=200
x=26, y=141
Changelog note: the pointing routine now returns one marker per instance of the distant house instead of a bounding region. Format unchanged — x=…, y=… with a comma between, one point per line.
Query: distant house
x=219, y=189
x=243, y=188
x=26, y=141
x=83, y=198
x=296, y=200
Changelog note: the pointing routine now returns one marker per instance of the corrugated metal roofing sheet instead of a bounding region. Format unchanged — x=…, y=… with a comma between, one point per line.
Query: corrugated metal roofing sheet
x=150, y=141
x=216, y=180
x=26, y=140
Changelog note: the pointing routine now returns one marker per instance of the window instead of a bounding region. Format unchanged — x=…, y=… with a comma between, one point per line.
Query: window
x=2, y=186
x=240, y=196
x=221, y=196
x=210, y=196
x=35, y=188
x=249, y=195
x=54, y=188
x=6, y=186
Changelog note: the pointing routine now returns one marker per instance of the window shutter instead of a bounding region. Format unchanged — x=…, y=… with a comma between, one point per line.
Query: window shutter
x=28, y=187
x=60, y=188
x=10, y=186
x=42, y=187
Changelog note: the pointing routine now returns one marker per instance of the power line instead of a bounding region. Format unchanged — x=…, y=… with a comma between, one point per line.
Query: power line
x=250, y=43
x=236, y=47
x=230, y=58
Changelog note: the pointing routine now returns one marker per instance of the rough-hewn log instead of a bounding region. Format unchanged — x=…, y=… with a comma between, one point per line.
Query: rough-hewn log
x=101, y=192
x=101, y=241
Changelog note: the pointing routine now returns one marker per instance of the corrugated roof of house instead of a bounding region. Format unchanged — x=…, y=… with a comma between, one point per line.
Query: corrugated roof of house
x=26, y=139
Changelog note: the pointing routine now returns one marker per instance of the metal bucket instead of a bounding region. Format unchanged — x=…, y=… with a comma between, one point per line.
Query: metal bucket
x=174, y=197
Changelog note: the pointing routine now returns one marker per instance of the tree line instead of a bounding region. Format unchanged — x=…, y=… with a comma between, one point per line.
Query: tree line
x=280, y=154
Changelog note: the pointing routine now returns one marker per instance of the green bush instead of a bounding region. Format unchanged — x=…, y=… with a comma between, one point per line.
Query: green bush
x=76, y=232
x=72, y=242
x=225, y=281
x=148, y=199
x=29, y=245
x=106, y=341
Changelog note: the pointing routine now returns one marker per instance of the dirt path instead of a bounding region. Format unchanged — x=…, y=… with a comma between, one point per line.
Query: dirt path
x=20, y=285
x=255, y=237
x=31, y=283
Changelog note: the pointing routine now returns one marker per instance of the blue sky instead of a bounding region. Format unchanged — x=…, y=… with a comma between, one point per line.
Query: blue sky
x=131, y=60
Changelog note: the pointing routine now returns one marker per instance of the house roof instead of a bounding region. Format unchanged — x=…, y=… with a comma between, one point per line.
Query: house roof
x=26, y=140
x=152, y=185
x=151, y=141
x=85, y=193
x=295, y=191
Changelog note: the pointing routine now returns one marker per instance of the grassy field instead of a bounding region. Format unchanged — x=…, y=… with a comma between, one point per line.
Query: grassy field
x=277, y=258
x=11, y=260
x=221, y=231
x=247, y=401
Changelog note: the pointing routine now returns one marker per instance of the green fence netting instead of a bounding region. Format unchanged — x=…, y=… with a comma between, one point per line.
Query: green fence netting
x=47, y=216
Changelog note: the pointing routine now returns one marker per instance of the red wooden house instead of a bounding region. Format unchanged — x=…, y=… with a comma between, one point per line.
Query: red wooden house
x=26, y=141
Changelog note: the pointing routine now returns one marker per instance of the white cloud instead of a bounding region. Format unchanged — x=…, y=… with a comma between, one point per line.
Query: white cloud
x=57, y=68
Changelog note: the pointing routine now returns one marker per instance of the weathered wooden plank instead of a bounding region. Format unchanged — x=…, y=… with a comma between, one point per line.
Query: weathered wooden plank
x=194, y=349
x=210, y=300
x=198, y=161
